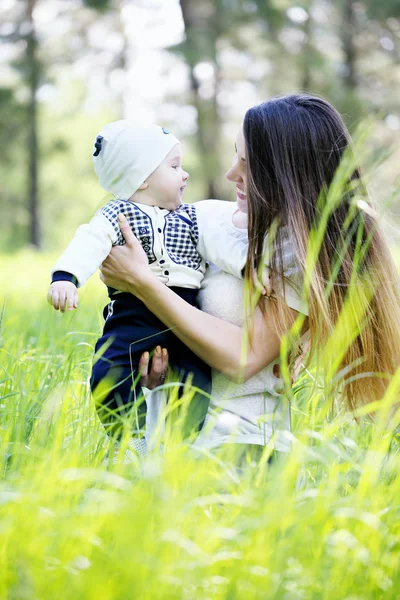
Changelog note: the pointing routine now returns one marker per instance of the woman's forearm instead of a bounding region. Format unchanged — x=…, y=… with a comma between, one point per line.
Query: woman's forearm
x=219, y=343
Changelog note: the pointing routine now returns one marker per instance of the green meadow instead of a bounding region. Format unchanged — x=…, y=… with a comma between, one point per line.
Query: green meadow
x=322, y=523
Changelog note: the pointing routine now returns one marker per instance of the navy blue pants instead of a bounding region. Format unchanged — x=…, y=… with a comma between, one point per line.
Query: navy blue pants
x=129, y=330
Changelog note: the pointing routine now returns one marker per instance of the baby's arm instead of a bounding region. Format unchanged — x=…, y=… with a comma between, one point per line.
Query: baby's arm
x=219, y=241
x=88, y=248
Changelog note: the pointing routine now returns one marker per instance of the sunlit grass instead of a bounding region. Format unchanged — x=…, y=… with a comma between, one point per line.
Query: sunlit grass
x=321, y=523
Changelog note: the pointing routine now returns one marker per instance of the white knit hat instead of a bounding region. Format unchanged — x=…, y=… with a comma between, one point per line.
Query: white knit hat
x=125, y=154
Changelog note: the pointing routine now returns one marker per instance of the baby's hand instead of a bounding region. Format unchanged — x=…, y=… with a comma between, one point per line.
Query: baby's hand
x=63, y=294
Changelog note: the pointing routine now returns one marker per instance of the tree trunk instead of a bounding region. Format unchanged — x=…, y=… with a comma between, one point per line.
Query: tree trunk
x=307, y=53
x=34, y=233
x=348, y=32
x=201, y=27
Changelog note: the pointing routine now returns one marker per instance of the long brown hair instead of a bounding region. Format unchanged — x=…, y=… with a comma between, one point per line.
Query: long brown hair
x=302, y=176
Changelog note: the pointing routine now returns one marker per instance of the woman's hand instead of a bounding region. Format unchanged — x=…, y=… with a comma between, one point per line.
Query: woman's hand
x=264, y=287
x=158, y=370
x=126, y=267
x=298, y=365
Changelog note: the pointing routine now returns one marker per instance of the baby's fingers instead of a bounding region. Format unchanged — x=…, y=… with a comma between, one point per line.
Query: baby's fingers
x=72, y=299
x=50, y=296
x=55, y=300
x=62, y=300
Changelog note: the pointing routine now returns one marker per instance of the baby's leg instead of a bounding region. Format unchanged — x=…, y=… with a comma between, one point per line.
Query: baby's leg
x=191, y=369
x=130, y=329
x=118, y=396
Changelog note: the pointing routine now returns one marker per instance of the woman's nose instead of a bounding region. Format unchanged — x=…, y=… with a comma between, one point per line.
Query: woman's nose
x=185, y=175
x=232, y=174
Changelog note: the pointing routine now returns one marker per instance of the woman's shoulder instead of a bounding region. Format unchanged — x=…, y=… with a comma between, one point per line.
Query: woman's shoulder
x=288, y=264
x=215, y=207
x=217, y=214
x=288, y=253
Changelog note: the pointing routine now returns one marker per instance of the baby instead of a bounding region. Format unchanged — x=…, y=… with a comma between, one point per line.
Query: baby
x=142, y=168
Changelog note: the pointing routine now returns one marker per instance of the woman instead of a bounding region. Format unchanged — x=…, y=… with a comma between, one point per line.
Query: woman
x=290, y=152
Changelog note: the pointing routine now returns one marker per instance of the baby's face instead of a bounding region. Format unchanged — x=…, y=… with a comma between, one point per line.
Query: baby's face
x=167, y=184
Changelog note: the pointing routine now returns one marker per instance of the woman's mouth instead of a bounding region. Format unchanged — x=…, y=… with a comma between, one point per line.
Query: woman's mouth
x=240, y=194
x=183, y=189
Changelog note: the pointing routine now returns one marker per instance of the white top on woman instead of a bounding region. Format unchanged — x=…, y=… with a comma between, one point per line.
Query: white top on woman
x=253, y=412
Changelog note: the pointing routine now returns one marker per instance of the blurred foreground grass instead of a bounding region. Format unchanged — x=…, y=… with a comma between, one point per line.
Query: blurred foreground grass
x=321, y=523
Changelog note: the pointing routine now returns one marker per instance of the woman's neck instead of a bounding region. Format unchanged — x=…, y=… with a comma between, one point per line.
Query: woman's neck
x=239, y=219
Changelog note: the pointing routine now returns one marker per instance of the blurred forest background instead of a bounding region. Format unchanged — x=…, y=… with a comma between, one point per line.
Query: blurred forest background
x=69, y=66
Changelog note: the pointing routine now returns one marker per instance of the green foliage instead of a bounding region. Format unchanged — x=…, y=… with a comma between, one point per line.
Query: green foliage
x=13, y=141
x=100, y=5
x=12, y=115
x=383, y=10
x=273, y=13
x=181, y=525
x=256, y=51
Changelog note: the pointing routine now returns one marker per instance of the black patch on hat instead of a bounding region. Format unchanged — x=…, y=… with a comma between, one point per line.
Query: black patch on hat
x=97, y=145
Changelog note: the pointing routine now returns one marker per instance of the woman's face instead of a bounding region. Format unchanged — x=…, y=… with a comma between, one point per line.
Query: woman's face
x=237, y=172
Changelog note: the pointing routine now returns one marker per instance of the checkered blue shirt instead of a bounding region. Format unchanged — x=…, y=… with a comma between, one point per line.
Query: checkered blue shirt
x=177, y=243
x=180, y=233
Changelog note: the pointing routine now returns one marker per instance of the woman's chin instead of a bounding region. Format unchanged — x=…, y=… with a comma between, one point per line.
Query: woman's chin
x=242, y=205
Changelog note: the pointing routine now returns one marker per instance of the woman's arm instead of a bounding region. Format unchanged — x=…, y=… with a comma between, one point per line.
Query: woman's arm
x=219, y=343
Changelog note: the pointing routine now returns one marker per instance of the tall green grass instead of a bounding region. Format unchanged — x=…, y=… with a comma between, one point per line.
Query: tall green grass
x=320, y=523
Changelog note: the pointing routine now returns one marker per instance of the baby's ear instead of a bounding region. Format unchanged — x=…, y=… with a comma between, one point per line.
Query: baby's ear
x=144, y=185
